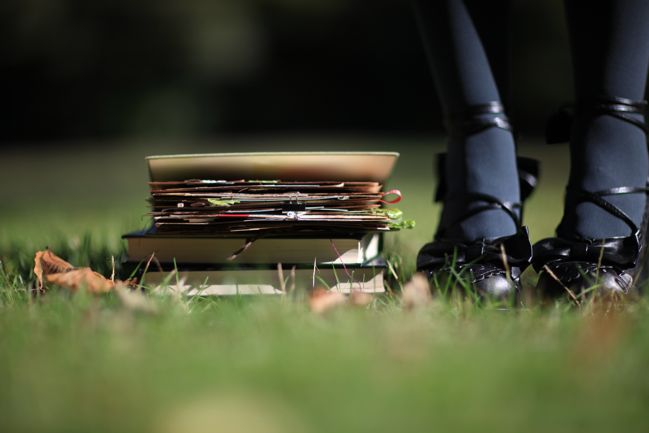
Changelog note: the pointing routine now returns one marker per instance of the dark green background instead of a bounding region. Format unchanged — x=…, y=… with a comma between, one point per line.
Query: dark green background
x=197, y=68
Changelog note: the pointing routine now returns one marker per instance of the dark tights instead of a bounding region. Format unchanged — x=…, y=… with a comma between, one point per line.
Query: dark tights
x=610, y=47
x=610, y=50
x=463, y=77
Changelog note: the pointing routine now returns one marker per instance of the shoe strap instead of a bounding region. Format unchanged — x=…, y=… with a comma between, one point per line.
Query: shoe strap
x=528, y=174
x=473, y=119
x=596, y=197
x=560, y=123
x=621, y=108
x=623, y=252
x=489, y=203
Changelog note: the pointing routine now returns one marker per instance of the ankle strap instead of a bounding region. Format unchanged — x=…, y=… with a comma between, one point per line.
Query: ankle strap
x=489, y=202
x=473, y=120
x=560, y=123
x=528, y=174
x=596, y=198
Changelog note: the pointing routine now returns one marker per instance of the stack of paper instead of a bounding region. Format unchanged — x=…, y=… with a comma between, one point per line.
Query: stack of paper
x=225, y=207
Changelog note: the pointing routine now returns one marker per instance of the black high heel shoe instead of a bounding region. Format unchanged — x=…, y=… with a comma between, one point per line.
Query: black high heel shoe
x=491, y=266
x=611, y=265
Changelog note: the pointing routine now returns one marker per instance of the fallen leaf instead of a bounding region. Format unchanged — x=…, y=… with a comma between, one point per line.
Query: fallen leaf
x=76, y=279
x=57, y=271
x=322, y=300
x=46, y=262
x=416, y=292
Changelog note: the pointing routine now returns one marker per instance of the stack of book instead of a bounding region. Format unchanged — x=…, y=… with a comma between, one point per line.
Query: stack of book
x=266, y=222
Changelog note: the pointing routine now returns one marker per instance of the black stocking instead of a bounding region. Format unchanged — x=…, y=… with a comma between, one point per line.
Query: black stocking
x=610, y=47
x=482, y=162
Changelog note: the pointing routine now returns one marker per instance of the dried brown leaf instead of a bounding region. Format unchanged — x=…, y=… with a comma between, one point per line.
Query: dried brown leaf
x=46, y=263
x=82, y=278
x=416, y=292
x=322, y=300
x=53, y=269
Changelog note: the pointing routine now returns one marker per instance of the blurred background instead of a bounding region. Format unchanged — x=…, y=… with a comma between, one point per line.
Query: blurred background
x=75, y=69
x=91, y=87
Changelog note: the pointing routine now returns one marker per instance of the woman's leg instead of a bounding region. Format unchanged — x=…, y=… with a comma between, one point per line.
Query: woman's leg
x=485, y=161
x=610, y=48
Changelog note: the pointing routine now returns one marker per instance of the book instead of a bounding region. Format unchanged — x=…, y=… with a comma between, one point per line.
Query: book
x=196, y=280
x=305, y=250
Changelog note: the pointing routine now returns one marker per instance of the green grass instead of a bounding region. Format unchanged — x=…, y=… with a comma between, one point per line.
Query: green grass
x=81, y=363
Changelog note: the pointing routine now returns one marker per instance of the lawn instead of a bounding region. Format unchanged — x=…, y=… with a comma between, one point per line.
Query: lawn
x=90, y=364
